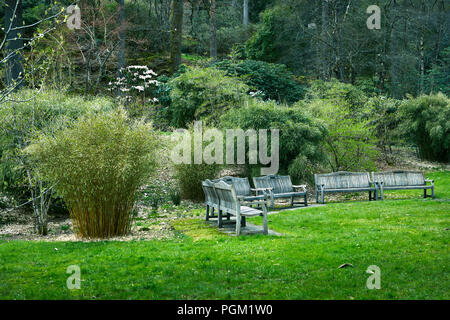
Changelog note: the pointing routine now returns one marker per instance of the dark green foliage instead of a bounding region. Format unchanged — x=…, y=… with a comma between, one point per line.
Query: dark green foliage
x=261, y=46
x=203, y=93
x=190, y=177
x=274, y=81
x=425, y=122
x=385, y=119
x=438, y=77
x=300, y=135
x=175, y=197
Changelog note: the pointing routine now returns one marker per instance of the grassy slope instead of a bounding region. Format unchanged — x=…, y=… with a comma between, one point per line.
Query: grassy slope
x=408, y=239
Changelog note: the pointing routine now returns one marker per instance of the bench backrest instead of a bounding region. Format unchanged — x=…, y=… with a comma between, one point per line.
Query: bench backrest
x=211, y=197
x=343, y=180
x=241, y=185
x=227, y=195
x=279, y=184
x=399, y=178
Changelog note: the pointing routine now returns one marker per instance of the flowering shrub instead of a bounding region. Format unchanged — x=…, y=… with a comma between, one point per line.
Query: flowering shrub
x=133, y=82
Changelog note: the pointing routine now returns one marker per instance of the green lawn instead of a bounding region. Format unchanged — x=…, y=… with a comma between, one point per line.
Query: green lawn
x=408, y=239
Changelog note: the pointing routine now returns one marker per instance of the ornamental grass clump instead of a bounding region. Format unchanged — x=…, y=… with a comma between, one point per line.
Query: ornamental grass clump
x=98, y=165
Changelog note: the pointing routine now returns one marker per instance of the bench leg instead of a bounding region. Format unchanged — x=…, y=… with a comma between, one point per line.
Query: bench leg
x=306, y=200
x=243, y=222
x=323, y=197
x=424, y=193
x=238, y=225
x=317, y=196
x=228, y=216
x=207, y=212
x=266, y=228
x=432, y=192
x=292, y=201
x=219, y=220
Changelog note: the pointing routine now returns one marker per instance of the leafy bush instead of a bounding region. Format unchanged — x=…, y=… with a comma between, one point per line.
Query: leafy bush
x=203, y=93
x=190, y=177
x=351, y=140
x=39, y=113
x=425, y=122
x=263, y=45
x=98, y=165
x=274, y=81
x=300, y=135
x=385, y=119
x=338, y=93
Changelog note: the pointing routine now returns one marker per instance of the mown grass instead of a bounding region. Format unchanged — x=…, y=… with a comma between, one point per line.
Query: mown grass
x=408, y=239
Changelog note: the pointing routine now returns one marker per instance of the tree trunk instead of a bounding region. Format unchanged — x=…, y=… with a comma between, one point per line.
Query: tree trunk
x=122, y=34
x=324, y=56
x=212, y=28
x=245, y=20
x=14, y=67
x=176, y=33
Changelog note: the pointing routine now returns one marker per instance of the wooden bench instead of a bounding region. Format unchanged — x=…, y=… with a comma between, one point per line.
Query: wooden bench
x=211, y=198
x=402, y=180
x=212, y=201
x=343, y=182
x=281, y=187
x=234, y=205
x=243, y=189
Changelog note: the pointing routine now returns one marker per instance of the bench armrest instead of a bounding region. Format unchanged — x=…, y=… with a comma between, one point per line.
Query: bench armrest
x=430, y=181
x=302, y=186
x=245, y=203
x=261, y=189
x=264, y=191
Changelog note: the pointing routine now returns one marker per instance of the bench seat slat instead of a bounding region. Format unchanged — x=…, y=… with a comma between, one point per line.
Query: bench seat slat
x=350, y=189
x=247, y=211
x=288, y=195
x=407, y=187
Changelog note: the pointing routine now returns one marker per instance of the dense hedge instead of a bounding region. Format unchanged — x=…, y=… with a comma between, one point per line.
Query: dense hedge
x=273, y=81
x=425, y=121
x=203, y=93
